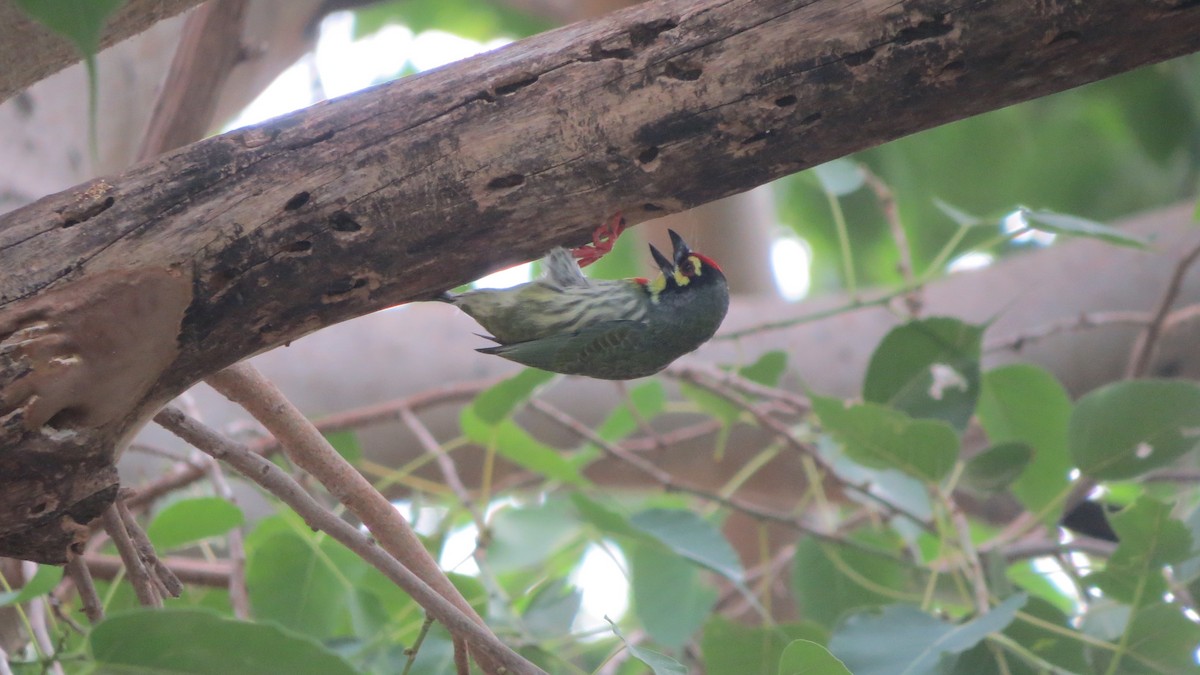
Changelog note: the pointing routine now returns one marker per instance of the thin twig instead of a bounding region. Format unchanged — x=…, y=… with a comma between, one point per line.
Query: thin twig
x=1083, y=321
x=668, y=481
x=1038, y=548
x=445, y=464
x=644, y=424
x=969, y=553
x=780, y=429
x=212, y=573
x=37, y=621
x=283, y=486
x=1143, y=348
x=239, y=595
x=167, y=582
x=412, y=651
x=138, y=576
x=680, y=435
x=308, y=449
x=78, y=571
x=887, y=204
x=379, y=413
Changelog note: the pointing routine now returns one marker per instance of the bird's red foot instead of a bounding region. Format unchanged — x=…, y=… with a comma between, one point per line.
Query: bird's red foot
x=602, y=241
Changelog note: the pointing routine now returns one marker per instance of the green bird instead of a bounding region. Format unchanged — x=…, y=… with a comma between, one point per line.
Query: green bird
x=567, y=323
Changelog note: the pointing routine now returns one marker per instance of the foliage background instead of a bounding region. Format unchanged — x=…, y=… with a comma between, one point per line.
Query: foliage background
x=889, y=563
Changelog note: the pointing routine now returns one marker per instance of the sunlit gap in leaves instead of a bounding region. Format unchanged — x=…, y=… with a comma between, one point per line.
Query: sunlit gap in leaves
x=1016, y=221
x=341, y=65
x=791, y=263
x=970, y=261
x=506, y=278
x=601, y=575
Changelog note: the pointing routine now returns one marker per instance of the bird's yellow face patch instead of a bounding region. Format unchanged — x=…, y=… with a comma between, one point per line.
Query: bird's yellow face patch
x=692, y=267
x=682, y=276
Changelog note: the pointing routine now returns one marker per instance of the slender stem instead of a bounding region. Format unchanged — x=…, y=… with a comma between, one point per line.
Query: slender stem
x=1143, y=349
x=839, y=221
x=274, y=480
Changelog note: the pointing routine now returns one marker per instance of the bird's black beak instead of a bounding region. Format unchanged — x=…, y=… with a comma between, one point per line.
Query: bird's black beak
x=664, y=263
x=681, y=248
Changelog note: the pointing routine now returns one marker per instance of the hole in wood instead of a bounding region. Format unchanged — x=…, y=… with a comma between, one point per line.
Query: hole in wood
x=785, y=101
x=510, y=87
x=65, y=419
x=648, y=155
x=859, y=58
x=686, y=71
x=1067, y=36
x=299, y=199
x=643, y=34
x=344, y=222
x=512, y=180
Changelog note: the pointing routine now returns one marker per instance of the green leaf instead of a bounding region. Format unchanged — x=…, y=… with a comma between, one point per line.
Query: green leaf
x=1127, y=428
x=1059, y=223
x=202, y=643
x=668, y=598
x=805, y=657
x=994, y=469
x=44, y=581
x=1161, y=640
x=661, y=664
x=731, y=648
x=473, y=19
x=693, y=538
x=1149, y=539
x=346, y=443
x=515, y=444
x=648, y=398
x=80, y=22
x=190, y=520
x=1058, y=647
x=962, y=218
x=1023, y=403
x=928, y=368
x=830, y=581
x=301, y=583
x=552, y=610
x=527, y=536
x=903, y=639
x=883, y=438
x=496, y=403
x=840, y=177
x=724, y=411
x=767, y=370
x=604, y=519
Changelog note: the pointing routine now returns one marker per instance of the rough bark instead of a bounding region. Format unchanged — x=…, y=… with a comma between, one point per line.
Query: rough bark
x=31, y=52
x=134, y=286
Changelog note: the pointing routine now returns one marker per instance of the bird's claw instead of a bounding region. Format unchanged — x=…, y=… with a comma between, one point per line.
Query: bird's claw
x=603, y=239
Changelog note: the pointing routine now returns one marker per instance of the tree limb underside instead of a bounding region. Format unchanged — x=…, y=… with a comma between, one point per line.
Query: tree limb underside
x=118, y=294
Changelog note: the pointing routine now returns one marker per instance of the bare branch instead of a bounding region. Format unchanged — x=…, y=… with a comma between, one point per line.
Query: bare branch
x=278, y=483
x=1143, y=349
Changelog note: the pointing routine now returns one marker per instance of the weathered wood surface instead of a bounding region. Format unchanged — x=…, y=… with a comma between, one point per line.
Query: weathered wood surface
x=117, y=295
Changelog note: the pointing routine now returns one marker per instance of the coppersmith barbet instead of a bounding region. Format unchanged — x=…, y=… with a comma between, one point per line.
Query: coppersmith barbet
x=567, y=323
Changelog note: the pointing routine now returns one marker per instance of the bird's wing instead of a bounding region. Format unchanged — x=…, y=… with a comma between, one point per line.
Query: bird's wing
x=595, y=350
